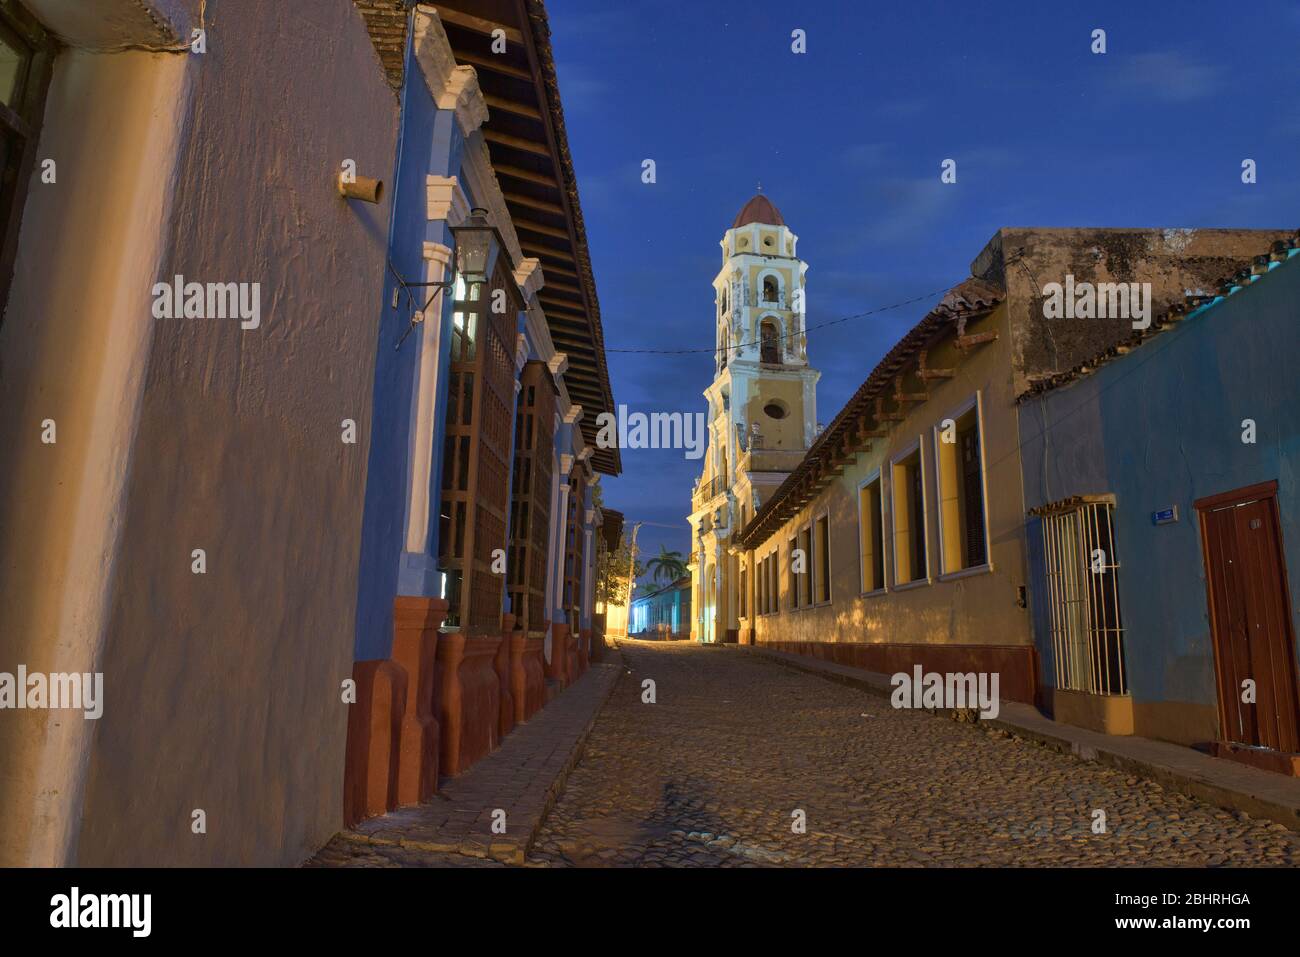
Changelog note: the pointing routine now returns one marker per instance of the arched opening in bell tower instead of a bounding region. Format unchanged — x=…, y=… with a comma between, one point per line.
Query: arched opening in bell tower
x=769, y=342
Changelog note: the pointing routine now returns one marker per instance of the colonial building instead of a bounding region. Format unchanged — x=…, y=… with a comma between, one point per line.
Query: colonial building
x=253, y=521
x=908, y=511
x=762, y=405
x=477, y=591
x=1160, y=485
x=664, y=612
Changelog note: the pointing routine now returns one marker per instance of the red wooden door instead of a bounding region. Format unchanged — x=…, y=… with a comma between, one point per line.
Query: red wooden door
x=1250, y=617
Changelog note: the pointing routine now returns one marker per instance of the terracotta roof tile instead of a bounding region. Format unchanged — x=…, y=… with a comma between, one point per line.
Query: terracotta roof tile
x=758, y=210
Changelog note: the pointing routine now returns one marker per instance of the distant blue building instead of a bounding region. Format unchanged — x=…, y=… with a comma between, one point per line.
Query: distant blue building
x=1161, y=484
x=663, y=613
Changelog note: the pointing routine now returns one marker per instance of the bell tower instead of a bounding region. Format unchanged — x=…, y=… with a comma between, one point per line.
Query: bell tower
x=762, y=414
x=761, y=364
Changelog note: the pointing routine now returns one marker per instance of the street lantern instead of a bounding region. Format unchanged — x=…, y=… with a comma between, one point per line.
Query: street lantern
x=477, y=245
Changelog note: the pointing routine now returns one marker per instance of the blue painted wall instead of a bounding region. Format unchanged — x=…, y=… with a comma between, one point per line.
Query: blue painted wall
x=430, y=144
x=1160, y=427
x=670, y=605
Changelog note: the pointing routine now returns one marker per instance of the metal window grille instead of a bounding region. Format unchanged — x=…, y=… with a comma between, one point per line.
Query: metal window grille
x=1083, y=589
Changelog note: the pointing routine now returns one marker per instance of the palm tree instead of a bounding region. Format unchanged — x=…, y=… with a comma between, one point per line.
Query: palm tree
x=667, y=565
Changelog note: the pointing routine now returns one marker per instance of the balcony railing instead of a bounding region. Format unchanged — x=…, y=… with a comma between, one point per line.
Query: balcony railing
x=713, y=487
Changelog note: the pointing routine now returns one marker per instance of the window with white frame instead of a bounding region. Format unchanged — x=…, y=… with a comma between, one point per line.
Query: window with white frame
x=907, y=492
x=1082, y=566
x=871, y=534
x=822, y=559
x=959, y=469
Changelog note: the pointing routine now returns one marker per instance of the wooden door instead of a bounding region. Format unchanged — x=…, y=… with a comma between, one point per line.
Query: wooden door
x=1250, y=617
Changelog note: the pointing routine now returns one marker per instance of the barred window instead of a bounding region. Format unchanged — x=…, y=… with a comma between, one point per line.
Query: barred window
x=1083, y=594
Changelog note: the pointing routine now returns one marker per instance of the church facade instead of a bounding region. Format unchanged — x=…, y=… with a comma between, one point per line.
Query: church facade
x=762, y=406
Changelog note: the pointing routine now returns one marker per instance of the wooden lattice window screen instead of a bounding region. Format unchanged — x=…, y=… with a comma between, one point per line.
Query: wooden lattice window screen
x=530, y=519
x=573, y=546
x=476, y=456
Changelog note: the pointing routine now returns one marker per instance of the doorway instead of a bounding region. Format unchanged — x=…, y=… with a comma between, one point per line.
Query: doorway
x=1250, y=618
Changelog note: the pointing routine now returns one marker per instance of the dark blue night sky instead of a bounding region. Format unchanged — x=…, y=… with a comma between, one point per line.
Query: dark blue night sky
x=848, y=138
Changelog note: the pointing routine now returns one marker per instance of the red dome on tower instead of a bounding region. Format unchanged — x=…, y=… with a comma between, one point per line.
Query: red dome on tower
x=758, y=210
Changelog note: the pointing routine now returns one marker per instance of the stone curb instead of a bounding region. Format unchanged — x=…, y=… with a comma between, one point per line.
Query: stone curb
x=468, y=833
x=1225, y=784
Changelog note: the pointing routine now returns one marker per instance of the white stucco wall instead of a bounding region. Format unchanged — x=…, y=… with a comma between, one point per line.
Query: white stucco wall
x=222, y=690
x=72, y=349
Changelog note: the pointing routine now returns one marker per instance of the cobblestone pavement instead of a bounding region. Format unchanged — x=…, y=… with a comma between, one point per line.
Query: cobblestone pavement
x=344, y=853
x=713, y=773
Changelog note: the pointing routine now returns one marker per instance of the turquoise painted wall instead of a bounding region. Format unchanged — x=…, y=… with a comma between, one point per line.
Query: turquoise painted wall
x=1162, y=426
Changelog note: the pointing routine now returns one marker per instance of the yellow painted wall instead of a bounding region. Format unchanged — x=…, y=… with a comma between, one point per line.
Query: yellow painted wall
x=784, y=433
x=979, y=608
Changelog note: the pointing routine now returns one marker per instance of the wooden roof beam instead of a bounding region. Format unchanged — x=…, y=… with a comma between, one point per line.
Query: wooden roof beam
x=900, y=396
x=864, y=432
x=528, y=175
x=562, y=287
x=481, y=25
x=560, y=271
x=883, y=416
x=511, y=106
x=493, y=64
x=540, y=251
x=516, y=142
x=967, y=342
x=538, y=204
x=926, y=374
x=532, y=227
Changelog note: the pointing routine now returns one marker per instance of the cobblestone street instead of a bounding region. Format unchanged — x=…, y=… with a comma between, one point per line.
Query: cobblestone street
x=713, y=773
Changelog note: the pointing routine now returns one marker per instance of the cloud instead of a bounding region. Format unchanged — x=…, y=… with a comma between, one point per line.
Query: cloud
x=1167, y=76
x=864, y=155
x=902, y=106
x=580, y=90
x=910, y=209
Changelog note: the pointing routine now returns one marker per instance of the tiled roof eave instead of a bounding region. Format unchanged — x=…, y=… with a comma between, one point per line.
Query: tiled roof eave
x=972, y=299
x=539, y=27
